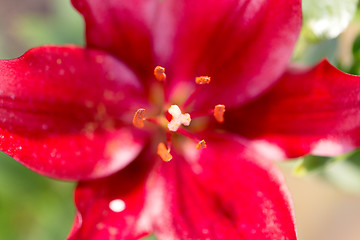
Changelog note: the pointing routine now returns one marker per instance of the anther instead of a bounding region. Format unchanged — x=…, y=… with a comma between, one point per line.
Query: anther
x=138, y=120
x=202, y=80
x=159, y=73
x=201, y=145
x=219, y=111
x=178, y=118
x=163, y=152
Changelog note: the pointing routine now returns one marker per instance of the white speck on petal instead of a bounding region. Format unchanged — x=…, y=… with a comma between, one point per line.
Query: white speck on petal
x=117, y=205
x=178, y=118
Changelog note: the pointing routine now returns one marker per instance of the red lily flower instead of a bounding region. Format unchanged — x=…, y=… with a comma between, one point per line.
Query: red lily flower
x=103, y=116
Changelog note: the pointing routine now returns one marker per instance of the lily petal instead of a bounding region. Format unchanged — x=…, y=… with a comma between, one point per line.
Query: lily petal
x=63, y=112
x=113, y=207
x=225, y=192
x=313, y=110
x=121, y=28
x=243, y=45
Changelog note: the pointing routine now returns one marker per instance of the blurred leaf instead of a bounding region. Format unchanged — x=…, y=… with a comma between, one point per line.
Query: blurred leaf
x=32, y=206
x=63, y=26
x=345, y=175
x=311, y=163
x=312, y=52
x=150, y=237
x=327, y=18
x=53, y=22
x=355, y=66
x=343, y=170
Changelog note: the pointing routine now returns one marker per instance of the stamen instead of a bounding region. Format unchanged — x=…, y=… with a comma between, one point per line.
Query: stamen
x=164, y=153
x=178, y=118
x=219, y=111
x=201, y=145
x=202, y=80
x=138, y=120
x=159, y=73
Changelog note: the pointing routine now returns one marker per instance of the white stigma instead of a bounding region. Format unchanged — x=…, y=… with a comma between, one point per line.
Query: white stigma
x=178, y=118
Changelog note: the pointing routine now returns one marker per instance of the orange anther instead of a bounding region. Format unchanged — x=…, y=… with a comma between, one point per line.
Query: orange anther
x=201, y=145
x=159, y=73
x=163, y=152
x=202, y=80
x=219, y=111
x=138, y=119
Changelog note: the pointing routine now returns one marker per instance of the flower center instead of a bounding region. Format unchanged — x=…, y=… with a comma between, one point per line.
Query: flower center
x=172, y=119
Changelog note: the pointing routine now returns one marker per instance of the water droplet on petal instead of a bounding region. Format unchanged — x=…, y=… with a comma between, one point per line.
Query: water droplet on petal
x=117, y=205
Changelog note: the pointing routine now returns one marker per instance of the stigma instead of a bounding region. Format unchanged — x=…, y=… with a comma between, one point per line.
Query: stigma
x=178, y=118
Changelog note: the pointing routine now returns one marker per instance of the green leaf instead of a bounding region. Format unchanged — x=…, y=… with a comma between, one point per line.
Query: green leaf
x=327, y=18
x=343, y=171
x=311, y=163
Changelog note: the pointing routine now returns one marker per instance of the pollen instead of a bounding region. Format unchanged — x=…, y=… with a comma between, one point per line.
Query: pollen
x=164, y=153
x=159, y=73
x=138, y=120
x=178, y=118
x=219, y=111
x=201, y=145
x=202, y=80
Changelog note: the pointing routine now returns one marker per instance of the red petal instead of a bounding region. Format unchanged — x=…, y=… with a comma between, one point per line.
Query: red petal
x=308, y=111
x=121, y=28
x=243, y=45
x=226, y=193
x=64, y=112
x=113, y=207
